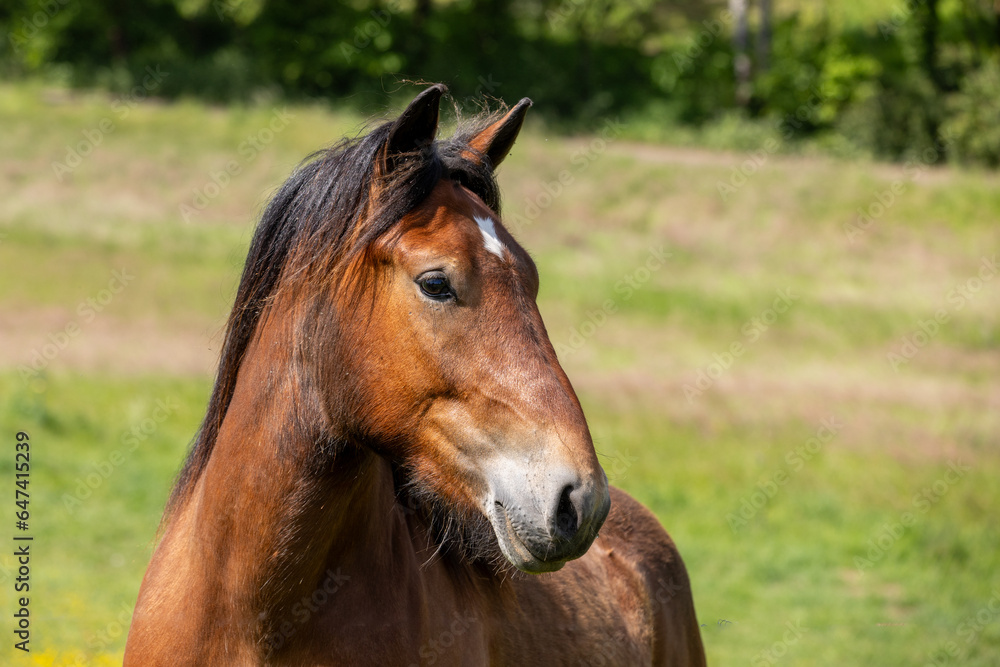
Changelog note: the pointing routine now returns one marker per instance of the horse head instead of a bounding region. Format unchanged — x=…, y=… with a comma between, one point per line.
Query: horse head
x=450, y=369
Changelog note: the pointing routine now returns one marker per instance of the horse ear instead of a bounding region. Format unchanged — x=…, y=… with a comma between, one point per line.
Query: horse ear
x=416, y=127
x=497, y=139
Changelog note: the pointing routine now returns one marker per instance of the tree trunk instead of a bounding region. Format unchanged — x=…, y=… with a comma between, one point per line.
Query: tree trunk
x=764, y=36
x=996, y=24
x=929, y=36
x=741, y=61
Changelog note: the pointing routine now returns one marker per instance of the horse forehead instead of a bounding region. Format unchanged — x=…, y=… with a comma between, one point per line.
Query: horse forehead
x=491, y=241
x=450, y=220
x=446, y=233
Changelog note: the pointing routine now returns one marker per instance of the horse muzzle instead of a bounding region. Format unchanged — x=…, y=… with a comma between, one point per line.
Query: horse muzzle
x=542, y=519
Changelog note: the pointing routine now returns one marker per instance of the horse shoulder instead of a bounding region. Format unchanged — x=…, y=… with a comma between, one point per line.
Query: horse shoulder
x=653, y=581
x=626, y=602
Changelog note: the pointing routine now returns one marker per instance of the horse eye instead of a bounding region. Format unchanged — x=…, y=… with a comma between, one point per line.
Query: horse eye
x=435, y=285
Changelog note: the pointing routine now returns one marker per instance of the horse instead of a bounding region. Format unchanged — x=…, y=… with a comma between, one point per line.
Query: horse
x=393, y=468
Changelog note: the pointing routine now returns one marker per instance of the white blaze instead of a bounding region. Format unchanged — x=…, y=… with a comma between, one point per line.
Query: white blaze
x=490, y=240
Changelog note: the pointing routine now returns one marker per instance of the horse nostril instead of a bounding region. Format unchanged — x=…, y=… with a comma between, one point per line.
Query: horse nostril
x=566, y=516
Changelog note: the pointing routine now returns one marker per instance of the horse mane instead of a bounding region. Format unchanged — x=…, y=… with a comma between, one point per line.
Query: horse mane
x=324, y=213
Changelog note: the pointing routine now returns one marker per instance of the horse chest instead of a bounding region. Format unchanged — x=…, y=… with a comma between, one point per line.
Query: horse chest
x=399, y=625
x=460, y=643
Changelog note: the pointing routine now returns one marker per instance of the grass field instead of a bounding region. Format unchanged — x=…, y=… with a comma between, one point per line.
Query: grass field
x=807, y=396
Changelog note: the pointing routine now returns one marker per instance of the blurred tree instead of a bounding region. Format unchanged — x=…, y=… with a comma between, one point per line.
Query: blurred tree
x=889, y=88
x=764, y=37
x=741, y=59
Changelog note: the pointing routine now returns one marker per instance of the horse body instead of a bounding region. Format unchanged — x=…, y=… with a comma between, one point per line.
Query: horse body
x=391, y=439
x=387, y=600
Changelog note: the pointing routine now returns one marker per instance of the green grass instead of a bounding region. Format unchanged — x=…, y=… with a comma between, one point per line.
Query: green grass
x=786, y=582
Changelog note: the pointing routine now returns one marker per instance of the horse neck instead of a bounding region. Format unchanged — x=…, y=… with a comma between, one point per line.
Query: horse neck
x=272, y=516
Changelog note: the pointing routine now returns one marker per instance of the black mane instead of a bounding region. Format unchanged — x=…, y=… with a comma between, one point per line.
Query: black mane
x=309, y=225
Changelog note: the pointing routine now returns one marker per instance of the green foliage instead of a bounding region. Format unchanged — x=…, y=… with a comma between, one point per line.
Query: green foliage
x=896, y=119
x=790, y=91
x=868, y=79
x=972, y=126
x=694, y=72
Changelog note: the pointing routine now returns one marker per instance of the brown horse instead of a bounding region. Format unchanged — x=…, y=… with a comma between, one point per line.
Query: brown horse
x=391, y=443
